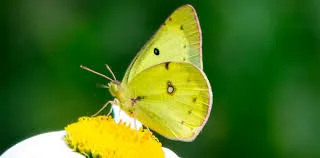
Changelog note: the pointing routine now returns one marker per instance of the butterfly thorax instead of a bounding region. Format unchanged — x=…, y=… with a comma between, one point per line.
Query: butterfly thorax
x=118, y=91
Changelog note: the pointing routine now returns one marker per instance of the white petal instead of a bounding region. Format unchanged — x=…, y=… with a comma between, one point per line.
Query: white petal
x=121, y=115
x=168, y=153
x=49, y=145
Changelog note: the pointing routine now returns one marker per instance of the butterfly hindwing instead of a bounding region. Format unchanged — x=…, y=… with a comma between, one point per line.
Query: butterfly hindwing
x=174, y=99
x=178, y=39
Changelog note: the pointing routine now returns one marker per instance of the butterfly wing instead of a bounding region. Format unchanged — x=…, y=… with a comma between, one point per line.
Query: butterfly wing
x=178, y=39
x=174, y=99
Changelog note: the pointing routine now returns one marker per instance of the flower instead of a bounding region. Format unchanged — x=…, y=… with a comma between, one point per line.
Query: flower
x=102, y=137
x=119, y=136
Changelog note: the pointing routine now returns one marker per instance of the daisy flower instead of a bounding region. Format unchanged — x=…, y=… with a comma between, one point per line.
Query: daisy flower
x=94, y=137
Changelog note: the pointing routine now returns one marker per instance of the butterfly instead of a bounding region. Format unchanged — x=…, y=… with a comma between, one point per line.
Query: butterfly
x=165, y=87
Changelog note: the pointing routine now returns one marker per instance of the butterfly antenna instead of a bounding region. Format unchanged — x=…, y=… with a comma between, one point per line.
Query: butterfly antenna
x=97, y=73
x=111, y=72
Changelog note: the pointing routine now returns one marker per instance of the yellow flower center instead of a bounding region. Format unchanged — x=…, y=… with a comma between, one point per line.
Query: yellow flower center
x=102, y=137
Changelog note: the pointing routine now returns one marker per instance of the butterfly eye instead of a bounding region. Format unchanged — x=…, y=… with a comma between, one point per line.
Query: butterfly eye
x=156, y=51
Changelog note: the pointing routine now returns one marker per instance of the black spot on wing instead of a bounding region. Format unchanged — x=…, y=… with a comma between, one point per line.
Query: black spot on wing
x=182, y=122
x=170, y=88
x=189, y=112
x=156, y=51
x=181, y=27
x=194, y=99
x=167, y=65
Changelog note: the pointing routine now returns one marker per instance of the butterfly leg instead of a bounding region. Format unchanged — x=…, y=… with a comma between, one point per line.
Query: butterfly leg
x=135, y=124
x=148, y=128
x=110, y=110
x=104, y=106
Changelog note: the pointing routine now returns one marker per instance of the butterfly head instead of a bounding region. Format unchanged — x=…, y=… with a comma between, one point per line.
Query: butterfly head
x=114, y=88
x=114, y=85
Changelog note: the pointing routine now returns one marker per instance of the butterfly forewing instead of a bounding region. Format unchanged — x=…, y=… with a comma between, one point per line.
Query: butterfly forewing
x=178, y=39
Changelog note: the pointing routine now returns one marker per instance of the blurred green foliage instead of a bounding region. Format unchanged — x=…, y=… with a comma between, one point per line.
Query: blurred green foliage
x=262, y=58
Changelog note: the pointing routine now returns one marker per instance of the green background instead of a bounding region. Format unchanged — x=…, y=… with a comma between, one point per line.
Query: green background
x=261, y=56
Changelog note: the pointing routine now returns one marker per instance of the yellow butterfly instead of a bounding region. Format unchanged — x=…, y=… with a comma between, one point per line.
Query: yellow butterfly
x=164, y=86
